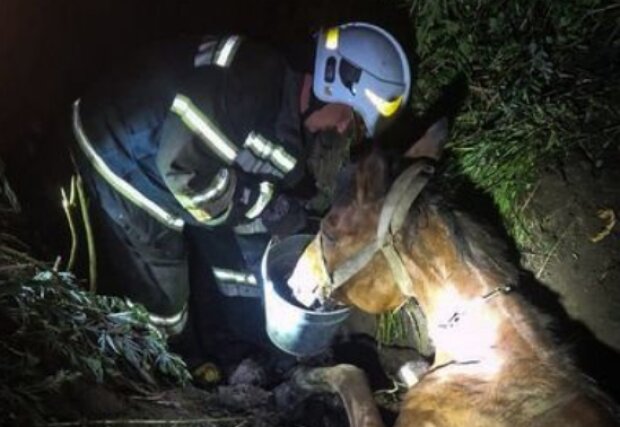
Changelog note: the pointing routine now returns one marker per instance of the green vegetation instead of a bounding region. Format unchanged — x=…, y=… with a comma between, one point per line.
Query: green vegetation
x=542, y=79
x=390, y=327
x=53, y=334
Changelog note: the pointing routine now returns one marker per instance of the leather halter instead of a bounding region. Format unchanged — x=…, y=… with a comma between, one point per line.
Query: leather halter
x=403, y=192
x=398, y=201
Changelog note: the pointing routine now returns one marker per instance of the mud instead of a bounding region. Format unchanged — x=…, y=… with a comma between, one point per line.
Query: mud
x=57, y=49
x=586, y=274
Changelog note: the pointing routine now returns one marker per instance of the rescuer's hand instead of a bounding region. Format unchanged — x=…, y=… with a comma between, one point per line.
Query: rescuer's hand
x=284, y=216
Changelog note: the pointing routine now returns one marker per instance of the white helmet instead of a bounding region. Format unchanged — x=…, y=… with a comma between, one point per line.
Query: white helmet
x=364, y=67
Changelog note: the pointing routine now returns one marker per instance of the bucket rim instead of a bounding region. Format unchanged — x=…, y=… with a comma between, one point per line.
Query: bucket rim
x=269, y=282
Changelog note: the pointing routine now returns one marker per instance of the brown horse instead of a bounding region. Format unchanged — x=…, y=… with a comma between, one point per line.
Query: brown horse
x=494, y=362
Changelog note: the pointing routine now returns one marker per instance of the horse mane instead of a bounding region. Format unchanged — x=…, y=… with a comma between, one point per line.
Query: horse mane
x=477, y=243
x=486, y=248
x=483, y=246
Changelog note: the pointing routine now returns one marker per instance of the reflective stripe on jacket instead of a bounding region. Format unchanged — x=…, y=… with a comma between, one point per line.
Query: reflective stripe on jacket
x=192, y=132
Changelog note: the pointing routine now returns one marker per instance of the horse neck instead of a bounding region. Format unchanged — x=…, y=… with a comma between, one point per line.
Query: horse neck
x=492, y=330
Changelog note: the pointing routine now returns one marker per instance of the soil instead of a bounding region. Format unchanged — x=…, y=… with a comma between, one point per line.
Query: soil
x=571, y=269
x=580, y=276
x=578, y=280
x=585, y=273
x=584, y=276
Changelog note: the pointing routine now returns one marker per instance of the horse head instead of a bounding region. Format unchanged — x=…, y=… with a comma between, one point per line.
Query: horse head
x=349, y=246
x=386, y=242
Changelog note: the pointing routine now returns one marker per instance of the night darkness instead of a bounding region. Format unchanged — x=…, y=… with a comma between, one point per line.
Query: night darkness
x=557, y=116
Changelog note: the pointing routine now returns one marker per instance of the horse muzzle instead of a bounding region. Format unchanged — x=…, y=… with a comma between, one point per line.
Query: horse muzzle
x=310, y=280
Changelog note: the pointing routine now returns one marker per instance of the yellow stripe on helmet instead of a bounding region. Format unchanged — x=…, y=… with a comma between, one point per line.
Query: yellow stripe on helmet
x=385, y=108
x=331, y=38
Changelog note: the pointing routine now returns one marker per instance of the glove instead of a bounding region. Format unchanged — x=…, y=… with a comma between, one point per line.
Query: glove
x=284, y=216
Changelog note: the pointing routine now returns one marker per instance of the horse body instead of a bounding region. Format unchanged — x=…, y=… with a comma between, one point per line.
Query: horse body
x=495, y=364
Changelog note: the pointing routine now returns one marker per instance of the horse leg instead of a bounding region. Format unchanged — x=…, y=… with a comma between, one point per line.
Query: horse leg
x=350, y=383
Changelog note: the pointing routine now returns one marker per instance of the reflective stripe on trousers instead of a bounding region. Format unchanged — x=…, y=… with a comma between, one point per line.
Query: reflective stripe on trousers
x=235, y=276
x=170, y=325
x=236, y=284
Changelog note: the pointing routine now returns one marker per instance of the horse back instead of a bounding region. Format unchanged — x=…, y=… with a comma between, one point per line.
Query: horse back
x=471, y=401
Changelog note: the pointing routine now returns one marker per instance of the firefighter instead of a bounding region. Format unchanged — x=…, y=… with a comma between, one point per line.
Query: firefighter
x=212, y=134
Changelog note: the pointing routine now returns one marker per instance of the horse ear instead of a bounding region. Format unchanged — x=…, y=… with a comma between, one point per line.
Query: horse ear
x=371, y=178
x=431, y=144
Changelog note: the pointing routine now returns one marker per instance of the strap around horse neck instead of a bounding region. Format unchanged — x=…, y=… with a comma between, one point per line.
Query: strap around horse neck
x=398, y=201
x=403, y=193
x=401, y=196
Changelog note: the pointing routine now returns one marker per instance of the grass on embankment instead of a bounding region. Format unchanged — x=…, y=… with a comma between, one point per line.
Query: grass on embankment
x=542, y=80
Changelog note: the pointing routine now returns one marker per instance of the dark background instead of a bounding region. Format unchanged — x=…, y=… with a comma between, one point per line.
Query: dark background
x=52, y=50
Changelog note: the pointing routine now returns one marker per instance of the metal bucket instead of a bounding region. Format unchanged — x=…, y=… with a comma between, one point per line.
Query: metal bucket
x=293, y=329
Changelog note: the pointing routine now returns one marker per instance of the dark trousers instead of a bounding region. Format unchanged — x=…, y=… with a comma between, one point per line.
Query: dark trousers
x=165, y=269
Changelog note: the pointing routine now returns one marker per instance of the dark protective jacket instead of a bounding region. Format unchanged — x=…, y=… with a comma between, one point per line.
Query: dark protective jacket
x=200, y=131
